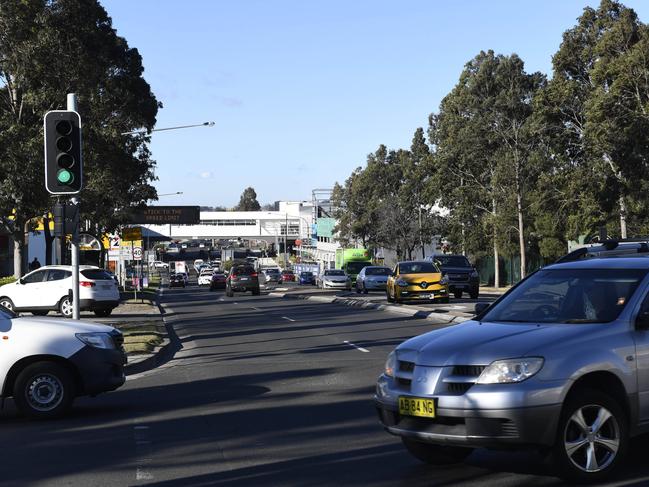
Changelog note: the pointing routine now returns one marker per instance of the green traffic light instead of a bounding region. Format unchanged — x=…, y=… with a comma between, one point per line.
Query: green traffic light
x=64, y=176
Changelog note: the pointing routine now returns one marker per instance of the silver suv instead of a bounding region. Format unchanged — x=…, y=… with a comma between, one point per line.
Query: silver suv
x=560, y=363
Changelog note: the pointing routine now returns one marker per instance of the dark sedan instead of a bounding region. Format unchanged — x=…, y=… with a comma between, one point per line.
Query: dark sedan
x=307, y=278
x=177, y=280
x=218, y=281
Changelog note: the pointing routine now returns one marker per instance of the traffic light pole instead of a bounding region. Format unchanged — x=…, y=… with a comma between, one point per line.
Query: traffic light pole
x=74, y=244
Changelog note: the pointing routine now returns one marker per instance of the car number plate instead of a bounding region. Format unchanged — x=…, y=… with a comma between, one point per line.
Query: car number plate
x=245, y=278
x=425, y=296
x=417, y=406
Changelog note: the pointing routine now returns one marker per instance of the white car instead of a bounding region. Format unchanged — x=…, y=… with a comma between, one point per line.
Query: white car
x=158, y=264
x=50, y=289
x=45, y=363
x=197, y=264
x=205, y=277
x=334, y=279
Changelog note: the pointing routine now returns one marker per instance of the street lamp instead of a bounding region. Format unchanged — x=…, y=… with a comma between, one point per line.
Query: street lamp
x=146, y=131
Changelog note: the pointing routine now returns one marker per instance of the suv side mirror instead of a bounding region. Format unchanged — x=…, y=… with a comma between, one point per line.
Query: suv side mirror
x=480, y=307
x=642, y=320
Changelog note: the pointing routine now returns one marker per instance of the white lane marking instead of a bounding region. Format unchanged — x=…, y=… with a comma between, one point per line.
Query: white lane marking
x=142, y=453
x=234, y=302
x=287, y=318
x=356, y=347
x=256, y=309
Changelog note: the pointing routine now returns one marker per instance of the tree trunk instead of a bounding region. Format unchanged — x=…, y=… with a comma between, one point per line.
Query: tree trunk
x=421, y=237
x=496, y=253
x=622, y=217
x=49, y=240
x=521, y=229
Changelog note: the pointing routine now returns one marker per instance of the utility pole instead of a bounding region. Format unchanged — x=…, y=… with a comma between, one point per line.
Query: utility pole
x=74, y=244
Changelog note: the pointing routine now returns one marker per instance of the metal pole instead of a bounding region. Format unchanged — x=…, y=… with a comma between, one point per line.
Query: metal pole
x=74, y=244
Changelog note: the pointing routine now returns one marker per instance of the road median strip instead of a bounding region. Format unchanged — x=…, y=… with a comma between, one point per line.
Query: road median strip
x=438, y=316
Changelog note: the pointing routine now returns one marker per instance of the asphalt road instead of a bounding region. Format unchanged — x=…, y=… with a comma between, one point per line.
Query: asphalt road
x=258, y=391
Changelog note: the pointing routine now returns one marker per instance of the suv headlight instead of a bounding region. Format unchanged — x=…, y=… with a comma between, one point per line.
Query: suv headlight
x=402, y=282
x=97, y=340
x=444, y=280
x=390, y=364
x=474, y=273
x=510, y=370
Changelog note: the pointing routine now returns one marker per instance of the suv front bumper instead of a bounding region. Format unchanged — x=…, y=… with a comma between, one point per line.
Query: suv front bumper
x=482, y=417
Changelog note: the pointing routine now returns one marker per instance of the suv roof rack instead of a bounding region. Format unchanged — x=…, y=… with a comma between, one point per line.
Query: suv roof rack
x=608, y=248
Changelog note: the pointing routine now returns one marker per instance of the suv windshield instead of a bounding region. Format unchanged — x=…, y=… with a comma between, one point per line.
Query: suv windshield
x=377, y=271
x=417, y=268
x=453, y=260
x=568, y=296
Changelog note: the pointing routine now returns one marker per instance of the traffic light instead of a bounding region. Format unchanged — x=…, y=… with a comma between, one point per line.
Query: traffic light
x=63, y=163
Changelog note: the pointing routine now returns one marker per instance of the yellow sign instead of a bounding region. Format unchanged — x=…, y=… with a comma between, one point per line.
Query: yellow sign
x=133, y=233
x=130, y=243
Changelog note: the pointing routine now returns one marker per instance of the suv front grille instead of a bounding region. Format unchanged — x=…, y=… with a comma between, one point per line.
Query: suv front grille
x=462, y=378
x=406, y=366
x=468, y=370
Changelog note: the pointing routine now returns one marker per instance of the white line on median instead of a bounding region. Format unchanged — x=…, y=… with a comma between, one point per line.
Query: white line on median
x=287, y=318
x=357, y=347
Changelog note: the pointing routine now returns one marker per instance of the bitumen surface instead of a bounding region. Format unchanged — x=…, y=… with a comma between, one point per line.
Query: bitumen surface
x=255, y=391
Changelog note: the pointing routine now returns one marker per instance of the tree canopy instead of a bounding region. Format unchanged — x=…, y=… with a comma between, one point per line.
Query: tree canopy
x=248, y=201
x=49, y=48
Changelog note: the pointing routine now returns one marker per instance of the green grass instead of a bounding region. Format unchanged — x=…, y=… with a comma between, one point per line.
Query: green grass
x=141, y=342
x=141, y=338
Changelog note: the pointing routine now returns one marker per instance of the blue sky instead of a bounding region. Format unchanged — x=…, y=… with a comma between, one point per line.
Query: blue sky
x=302, y=91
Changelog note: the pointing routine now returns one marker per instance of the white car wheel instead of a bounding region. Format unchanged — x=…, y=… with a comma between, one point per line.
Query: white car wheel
x=65, y=307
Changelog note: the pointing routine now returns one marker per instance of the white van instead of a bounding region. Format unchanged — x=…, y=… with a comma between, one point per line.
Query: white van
x=45, y=362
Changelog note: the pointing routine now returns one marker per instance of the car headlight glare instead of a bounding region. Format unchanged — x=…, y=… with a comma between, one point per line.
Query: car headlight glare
x=510, y=370
x=402, y=283
x=97, y=340
x=391, y=364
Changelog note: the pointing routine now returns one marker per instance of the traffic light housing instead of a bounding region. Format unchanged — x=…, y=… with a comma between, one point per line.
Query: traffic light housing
x=63, y=162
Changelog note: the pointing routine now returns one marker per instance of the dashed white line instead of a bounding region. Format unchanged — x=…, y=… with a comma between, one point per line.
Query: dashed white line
x=143, y=452
x=361, y=349
x=256, y=309
x=287, y=318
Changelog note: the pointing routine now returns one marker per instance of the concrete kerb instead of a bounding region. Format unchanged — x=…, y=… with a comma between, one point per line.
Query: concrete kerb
x=142, y=362
x=439, y=318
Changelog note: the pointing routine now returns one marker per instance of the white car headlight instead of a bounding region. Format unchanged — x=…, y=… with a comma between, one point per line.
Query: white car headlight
x=510, y=370
x=391, y=364
x=97, y=340
x=402, y=282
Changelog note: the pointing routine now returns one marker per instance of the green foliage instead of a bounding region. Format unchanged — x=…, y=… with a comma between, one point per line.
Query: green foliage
x=48, y=49
x=248, y=201
x=7, y=280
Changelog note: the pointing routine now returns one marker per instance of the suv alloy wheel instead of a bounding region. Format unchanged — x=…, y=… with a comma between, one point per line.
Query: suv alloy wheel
x=592, y=437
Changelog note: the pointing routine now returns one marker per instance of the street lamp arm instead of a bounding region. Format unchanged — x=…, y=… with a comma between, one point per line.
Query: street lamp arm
x=145, y=131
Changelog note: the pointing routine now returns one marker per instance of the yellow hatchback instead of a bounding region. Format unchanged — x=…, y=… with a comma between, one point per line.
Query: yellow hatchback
x=417, y=280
